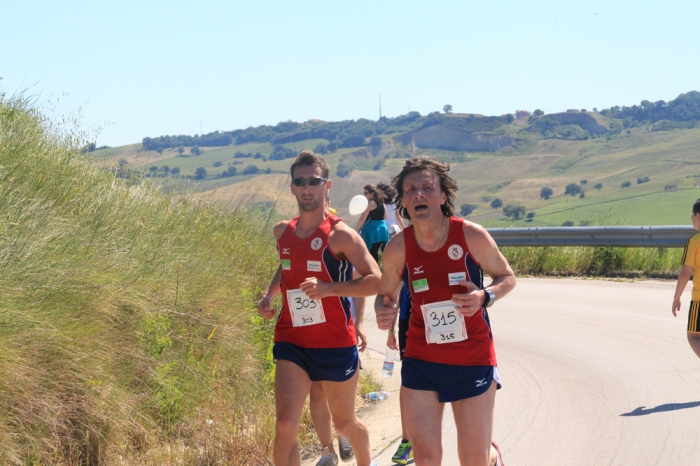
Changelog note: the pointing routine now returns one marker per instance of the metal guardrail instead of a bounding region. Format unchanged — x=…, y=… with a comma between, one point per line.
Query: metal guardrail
x=633, y=237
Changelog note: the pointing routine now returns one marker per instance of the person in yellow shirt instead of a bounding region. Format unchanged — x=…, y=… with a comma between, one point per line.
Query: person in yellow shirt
x=691, y=266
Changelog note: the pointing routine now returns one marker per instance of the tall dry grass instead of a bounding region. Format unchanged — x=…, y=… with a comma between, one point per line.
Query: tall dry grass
x=595, y=261
x=127, y=325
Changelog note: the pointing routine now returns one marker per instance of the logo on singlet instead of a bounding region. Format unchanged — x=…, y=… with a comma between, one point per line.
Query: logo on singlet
x=316, y=244
x=286, y=264
x=417, y=270
x=455, y=252
x=285, y=250
x=454, y=278
x=420, y=285
x=313, y=266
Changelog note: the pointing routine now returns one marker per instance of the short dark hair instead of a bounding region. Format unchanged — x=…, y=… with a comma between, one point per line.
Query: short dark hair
x=448, y=185
x=696, y=207
x=389, y=192
x=308, y=158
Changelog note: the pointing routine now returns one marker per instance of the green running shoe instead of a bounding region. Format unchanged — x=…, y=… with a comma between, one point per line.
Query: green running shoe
x=404, y=454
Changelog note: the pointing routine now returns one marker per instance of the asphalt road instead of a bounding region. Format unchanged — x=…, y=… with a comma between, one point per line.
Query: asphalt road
x=595, y=373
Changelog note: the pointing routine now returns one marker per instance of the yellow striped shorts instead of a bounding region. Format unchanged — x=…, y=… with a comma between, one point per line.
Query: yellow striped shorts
x=694, y=317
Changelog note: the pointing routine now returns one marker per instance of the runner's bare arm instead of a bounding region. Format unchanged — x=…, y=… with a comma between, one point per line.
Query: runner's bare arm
x=346, y=242
x=486, y=253
x=386, y=302
x=370, y=206
x=273, y=289
x=683, y=278
x=274, y=286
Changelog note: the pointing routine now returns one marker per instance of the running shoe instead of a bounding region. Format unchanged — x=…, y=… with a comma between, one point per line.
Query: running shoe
x=329, y=459
x=344, y=448
x=499, y=457
x=404, y=454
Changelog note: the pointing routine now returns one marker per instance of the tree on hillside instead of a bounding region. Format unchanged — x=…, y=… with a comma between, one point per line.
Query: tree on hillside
x=200, y=173
x=584, y=182
x=496, y=203
x=321, y=148
x=509, y=118
x=626, y=184
x=195, y=150
x=538, y=113
x=376, y=141
x=159, y=150
x=251, y=169
x=546, y=193
x=530, y=216
x=467, y=209
x=180, y=150
x=598, y=186
x=175, y=171
x=514, y=211
x=572, y=189
x=153, y=169
x=447, y=108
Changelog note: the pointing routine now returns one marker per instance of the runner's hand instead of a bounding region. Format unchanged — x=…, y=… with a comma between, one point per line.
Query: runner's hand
x=469, y=303
x=264, y=308
x=314, y=288
x=391, y=342
x=676, y=306
x=386, y=314
x=361, y=338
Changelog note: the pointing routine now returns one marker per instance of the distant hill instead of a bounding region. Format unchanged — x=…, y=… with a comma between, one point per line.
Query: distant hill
x=650, y=149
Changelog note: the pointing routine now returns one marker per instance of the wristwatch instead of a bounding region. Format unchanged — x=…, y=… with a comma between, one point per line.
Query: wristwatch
x=490, y=297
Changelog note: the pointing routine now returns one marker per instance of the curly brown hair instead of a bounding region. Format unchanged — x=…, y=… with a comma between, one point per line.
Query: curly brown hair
x=448, y=185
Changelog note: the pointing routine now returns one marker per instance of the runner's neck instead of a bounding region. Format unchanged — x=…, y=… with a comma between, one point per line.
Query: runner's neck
x=432, y=234
x=309, y=222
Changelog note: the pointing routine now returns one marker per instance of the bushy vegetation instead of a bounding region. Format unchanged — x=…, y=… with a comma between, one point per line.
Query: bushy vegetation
x=127, y=325
x=594, y=261
x=684, y=108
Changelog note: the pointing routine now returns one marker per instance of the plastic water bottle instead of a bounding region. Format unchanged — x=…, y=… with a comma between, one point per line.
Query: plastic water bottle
x=388, y=367
x=374, y=396
x=384, y=394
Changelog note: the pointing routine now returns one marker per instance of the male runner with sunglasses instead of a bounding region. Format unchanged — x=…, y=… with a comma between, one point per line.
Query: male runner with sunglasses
x=315, y=335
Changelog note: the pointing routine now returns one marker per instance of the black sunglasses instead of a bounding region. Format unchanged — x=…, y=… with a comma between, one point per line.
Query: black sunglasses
x=311, y=181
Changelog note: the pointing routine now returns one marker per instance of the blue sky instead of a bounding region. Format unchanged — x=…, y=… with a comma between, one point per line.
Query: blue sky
x=152, y=68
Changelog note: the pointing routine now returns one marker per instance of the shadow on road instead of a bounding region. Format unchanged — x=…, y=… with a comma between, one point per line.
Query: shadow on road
x=662, y=408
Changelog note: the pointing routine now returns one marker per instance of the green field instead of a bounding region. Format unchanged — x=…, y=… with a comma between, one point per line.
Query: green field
x=515, y=175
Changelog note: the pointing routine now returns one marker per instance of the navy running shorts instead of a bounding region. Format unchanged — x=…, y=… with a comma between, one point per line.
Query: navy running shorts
x=694, y=317
x=329, y=364
x=452, y=383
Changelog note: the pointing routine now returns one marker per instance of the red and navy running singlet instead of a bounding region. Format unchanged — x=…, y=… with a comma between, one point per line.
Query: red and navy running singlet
x=311, y=257
x=428, y=276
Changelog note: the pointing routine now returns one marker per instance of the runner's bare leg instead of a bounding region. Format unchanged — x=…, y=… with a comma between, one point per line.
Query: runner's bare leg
x=474, y=420
x=694, y=340
x=424, y=425
x=341, y=401
x=292, y=386
x=321, y=415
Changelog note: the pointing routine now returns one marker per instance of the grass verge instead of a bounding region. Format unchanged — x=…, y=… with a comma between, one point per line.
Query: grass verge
x=127, y=325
